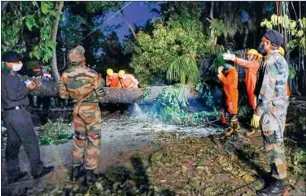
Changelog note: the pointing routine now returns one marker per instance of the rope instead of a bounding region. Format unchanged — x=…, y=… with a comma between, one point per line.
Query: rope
x=105, y=21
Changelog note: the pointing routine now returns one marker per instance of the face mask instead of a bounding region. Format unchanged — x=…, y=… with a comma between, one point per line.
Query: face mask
x=16, y=66
x=261, y=49
x=227, y=66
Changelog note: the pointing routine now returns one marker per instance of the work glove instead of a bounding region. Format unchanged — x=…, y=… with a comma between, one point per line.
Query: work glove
x=229, y=57
x=220, y=69
x=255, y=121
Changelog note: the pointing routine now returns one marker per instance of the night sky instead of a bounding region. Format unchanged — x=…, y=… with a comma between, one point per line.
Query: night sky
x=136, y=13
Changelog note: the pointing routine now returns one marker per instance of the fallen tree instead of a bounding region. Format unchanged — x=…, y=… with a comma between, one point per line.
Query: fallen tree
x=49, y=88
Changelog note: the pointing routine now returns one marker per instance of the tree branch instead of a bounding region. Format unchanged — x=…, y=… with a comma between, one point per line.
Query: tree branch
x=59, y=7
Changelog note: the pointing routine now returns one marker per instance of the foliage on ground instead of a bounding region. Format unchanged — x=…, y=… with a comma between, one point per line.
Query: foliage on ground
x=192, y=166
x=173, y=108
x=55, y=133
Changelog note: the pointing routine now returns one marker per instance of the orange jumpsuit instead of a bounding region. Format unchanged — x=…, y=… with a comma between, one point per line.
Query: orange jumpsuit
x=113, y=81
x=230, y=88
x=129, y=81
x=288, y=90
x=250, y=78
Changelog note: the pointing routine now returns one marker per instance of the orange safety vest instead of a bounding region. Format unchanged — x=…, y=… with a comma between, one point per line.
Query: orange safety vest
x=129, y=81
x=288, y=90
x=113, y=81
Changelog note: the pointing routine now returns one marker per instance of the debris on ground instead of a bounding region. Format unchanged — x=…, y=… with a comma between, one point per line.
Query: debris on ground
x=188, y=166
x=55, y=133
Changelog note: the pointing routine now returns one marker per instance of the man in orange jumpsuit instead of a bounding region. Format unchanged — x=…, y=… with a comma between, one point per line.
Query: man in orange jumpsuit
x=252, y=66
x=112, y=79
x=230, y=92
x=127, y=80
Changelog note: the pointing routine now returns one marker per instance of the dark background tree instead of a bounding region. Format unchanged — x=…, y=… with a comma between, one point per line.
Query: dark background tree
x=90, y=37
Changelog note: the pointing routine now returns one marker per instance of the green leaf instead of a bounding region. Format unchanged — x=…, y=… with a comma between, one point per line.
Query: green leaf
x=36, y=54
x=46, y=140
x=274, y=19
x=45, y=59
x=45, y=8
x=300, y=33
x=292, y=25
x=30, y=22
x=34, y=3
x=269, y=25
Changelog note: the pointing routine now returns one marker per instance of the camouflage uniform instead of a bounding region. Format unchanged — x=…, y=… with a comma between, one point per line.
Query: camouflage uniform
x=84, y=86
x=272, y=108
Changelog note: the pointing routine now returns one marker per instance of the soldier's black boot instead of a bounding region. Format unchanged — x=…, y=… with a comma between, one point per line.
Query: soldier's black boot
x=89, y=177
x=45, y=171
x=17, y=177
x=276, y=188
x=77, y=172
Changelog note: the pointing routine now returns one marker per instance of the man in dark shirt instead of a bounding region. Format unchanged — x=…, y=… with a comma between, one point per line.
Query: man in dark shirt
x=18, y=121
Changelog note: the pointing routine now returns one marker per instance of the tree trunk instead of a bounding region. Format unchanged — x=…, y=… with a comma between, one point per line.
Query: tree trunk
x=211, y=15
x=59, y=6
x=49, y=88
x=225, y=39
x=130, y=26
x=246, y=34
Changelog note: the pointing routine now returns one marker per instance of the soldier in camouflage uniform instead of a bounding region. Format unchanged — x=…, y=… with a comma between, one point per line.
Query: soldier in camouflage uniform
x=270, y=114
x=84, y=86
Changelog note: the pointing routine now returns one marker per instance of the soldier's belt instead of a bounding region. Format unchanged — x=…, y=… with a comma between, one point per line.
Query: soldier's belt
x=13, y=108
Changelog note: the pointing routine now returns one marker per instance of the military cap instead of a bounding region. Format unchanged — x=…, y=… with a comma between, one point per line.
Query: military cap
x=11, y=56
x=76, y=55
x=274, y=37
x=78, y=50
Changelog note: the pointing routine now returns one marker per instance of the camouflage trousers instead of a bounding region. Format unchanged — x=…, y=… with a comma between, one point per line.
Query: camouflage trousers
x=273, y=133
x=87, y=135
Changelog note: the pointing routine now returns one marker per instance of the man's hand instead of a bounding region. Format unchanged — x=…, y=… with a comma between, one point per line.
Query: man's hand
x=255, y=121
x=32, y=85
x=220, y=69
x=229, y=57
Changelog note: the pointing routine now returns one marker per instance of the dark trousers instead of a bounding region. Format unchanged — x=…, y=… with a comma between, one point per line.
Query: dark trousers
x=20, y=130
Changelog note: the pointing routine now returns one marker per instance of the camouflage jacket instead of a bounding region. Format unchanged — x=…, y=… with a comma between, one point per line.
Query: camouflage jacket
x=272, y=96
x=81, y=84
